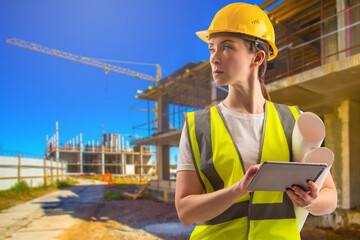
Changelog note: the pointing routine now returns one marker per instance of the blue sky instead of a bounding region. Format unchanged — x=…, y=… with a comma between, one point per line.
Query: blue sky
x=37, y=89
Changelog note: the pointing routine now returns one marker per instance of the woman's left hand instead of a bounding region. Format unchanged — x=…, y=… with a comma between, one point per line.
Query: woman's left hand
x=301, y=198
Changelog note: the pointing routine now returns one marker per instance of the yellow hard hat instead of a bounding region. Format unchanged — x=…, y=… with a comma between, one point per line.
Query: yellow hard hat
x=245, y=19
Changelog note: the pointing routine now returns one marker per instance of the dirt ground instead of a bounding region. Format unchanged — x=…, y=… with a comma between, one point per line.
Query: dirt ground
x=126, y=219
x=313, y=233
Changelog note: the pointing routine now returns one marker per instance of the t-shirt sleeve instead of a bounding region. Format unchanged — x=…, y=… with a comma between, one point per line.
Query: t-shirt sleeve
x=185, y=161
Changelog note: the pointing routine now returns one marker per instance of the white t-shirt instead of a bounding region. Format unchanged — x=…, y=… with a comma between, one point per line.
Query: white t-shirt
x=246, y=130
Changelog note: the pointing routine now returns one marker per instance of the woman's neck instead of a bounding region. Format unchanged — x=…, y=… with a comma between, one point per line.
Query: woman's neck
x=245, y=98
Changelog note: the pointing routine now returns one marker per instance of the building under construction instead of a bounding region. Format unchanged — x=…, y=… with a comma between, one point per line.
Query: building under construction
x=317, y=68
x=113, y=155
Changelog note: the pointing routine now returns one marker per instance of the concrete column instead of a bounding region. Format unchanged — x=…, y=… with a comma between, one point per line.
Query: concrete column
x=111, y=142
x=141, y=160
x=81, y=162
x=163, y=162
x=57, y=144
x=162, y=151
x=102, y=162
x=163, y=111
x=123, y=162
x=81, y=155
x=47, y=143
x=342, y=130
x=122, y=142
x=57, y=151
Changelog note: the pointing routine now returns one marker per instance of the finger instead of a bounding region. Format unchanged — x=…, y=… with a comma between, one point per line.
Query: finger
x=252, y=170
x=256, y=166
x=300, y=192
x=313, y=189
x=294, y=198
x=302, y=197
x=297, y=201
x=250, y=173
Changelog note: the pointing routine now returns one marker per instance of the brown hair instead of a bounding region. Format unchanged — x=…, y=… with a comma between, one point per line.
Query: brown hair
x=262, y=68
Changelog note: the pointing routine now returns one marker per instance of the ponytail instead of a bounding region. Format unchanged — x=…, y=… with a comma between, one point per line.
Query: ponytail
x=261, y=70
x=264, y=91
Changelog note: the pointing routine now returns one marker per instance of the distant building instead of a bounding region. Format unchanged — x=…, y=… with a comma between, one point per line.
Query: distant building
x=113, y=155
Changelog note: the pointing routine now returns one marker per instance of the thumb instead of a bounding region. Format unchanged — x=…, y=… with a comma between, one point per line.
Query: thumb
x=252, y=170
x=250, y=173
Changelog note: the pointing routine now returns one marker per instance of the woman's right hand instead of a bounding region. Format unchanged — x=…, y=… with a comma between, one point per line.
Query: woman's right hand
x=244, y=182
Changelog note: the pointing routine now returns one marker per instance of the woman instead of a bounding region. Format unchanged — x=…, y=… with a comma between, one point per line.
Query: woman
x=221, y=148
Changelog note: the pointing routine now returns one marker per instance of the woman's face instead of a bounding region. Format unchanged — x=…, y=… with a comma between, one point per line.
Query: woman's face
x=230, y=60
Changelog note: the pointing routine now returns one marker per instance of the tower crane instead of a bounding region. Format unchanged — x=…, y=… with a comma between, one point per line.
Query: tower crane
x=85, y=60
x=92, y=62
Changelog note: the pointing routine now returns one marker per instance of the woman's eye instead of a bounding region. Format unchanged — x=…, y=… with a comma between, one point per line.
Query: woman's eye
x=227, y=47
x=211, y=50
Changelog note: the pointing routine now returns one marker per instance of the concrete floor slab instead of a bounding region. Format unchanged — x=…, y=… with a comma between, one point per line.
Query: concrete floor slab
x=318, y=89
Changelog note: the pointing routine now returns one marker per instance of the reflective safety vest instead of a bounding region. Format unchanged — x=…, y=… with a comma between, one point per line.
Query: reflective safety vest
x=261, y=215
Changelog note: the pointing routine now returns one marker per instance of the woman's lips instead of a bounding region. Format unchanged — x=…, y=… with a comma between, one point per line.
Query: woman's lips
x=217, y=73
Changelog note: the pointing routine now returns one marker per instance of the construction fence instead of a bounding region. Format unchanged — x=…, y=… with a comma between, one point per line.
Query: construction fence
x=35, y=171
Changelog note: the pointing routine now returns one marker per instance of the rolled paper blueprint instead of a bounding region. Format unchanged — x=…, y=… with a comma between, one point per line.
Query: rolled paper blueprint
x=317, y=155
x=308, y=133
x=320, y=155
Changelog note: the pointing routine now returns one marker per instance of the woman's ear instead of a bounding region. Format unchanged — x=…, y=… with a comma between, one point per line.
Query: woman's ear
x=259, y=58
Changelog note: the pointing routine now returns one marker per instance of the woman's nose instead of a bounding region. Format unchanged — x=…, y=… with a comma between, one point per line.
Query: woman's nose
x=215, y=58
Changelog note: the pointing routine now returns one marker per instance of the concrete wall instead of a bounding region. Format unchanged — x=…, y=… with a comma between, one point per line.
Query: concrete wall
x=26, y=171
x=354, y=153
x=163, y=161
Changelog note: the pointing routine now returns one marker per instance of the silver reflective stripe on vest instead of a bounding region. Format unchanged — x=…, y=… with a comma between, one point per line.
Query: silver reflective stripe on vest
x=284, y=210
x=203, y=137
x=192, y=153
x=287, y=121
x=237, y=210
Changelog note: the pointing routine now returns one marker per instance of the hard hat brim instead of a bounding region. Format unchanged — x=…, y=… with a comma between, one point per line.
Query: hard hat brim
x=204, y=35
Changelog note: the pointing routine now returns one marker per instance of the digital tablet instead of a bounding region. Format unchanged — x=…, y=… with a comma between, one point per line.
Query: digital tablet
x=278, y=176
